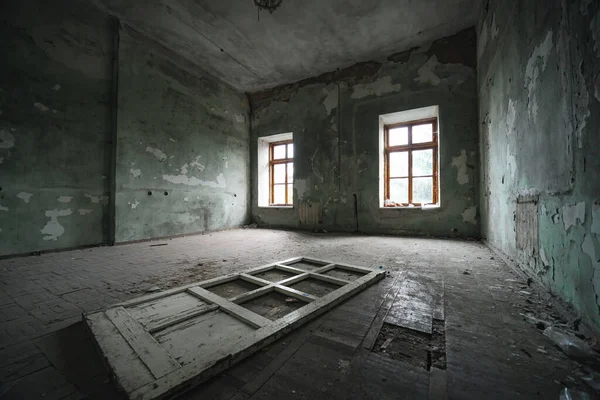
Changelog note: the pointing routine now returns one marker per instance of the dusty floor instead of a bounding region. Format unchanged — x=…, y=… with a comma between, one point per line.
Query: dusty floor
x=459, y=290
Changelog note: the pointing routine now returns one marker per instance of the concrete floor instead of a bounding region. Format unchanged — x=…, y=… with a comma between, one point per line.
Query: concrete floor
x=491, y=350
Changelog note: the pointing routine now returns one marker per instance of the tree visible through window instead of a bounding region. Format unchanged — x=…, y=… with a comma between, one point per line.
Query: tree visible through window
x=281, y=170
x=411, y=163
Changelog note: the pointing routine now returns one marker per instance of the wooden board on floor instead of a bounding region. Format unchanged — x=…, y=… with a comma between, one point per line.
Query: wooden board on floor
x=162, y=344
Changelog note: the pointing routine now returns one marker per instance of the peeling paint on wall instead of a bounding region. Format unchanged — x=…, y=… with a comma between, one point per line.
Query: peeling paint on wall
x=41, y=107
x=2, y=208
x=53, y=229
x=24, y=196
x=331, y=98
x=134, y=205
x=135, y=172
x=65, y=199
x=193, y=181
x=84, y=211
x=511, y=117
x=197, y=164
x=427, y=72
x=95, y=199
x=470, y=215
x=581, y=105
x=543, y=257
x=376, y=88
x=240, y=118
x=573, y=213
x=160, y=156
x=7, y=140
x=535, y=66
x=589, y=248
x=460, y=163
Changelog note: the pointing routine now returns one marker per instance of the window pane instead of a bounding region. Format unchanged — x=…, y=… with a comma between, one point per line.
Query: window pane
x=399, y=190
x=290, y=150
x=279, y=173
x=279, y=194
x=423, y=190
x=399, y=164
x=422, y=133
x=290, y=172
x=422, y=162
x=279, y=152
x=290, y=189
x=398, y=136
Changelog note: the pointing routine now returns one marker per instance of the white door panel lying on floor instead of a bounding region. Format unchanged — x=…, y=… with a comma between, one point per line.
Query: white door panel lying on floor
x=164, y=343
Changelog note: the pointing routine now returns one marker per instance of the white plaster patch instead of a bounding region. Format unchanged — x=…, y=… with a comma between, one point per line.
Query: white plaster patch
x=2, y=208
x=56, y=87
x=535, y=66
x=172, y=140
x=135, y=172
x=511, y=163
x=511, y=117
x=193, y=181
x=53, y=229
x=427, y=72
x=184, y=169
x=573, y=213
x=84, y=211
x=300, y=187
x=376, y=88
x=460, y=163
x=160, y=156
x=226, y=162
x=24, y=196
x=470, y=215
x=95, y=199
x=197, y=164
x=331, y=99
x=595, y=228
x=41, y=107
x=134, y=205
x=240, y=118
x=65, y=199
x=7, y=140
x=185, y=199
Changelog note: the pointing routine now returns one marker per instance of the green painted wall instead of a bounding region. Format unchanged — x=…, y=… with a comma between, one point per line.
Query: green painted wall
x=178, y=132
x=55, y=78
x=539, y=89
x=183, y=147
x=335, y=121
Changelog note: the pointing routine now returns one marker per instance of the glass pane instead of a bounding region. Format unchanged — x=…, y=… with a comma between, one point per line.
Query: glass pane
x=279, y=152
x=279, y=194
x=399, y=164
x=399, y=190
x=290, y=150
x=422, y=162
x=290, y=189
x=398, y=136
x=422, y=133
x=423, y=190
x=279, y=173
x=290, y=172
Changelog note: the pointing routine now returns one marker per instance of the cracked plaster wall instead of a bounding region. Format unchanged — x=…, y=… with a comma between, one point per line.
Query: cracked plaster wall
x=55, y=78
x=539, y=131
x=335, y=121
x=182, y=149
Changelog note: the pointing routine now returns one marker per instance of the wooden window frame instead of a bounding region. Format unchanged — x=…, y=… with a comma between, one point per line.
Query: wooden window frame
x=410, y=147
x=272, y=163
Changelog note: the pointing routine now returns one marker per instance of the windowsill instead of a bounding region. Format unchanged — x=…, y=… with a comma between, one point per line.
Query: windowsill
x=411, y=208
x=284, y=207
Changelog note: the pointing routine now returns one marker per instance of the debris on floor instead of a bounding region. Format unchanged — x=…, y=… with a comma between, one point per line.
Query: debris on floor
x=152, y=289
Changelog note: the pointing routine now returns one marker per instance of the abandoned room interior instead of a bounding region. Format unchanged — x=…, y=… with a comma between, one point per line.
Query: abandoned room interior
x=266, y=199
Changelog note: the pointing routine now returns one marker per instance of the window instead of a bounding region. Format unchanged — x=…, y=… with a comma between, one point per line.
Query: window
x=281, y=170
x=411, y=163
